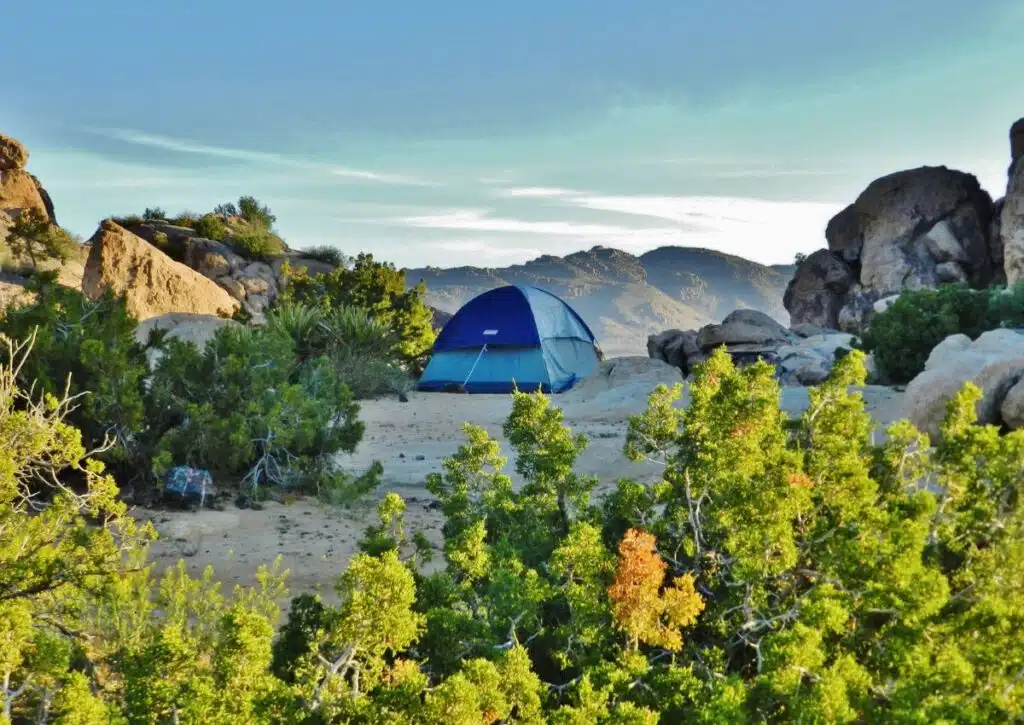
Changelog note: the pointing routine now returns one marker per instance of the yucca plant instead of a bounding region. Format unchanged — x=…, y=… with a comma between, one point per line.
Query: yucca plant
x=301, y=323
x=351, y=331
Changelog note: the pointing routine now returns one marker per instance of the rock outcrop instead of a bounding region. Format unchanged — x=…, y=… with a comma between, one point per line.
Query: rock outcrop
x=803, y=356
x=13, y=154
x=196, y=329
x=152, y=283
x=909, y=230
x=994, y=362
x=1011, y=227
x=818, y=290
x=254, y=284
x=20, y=190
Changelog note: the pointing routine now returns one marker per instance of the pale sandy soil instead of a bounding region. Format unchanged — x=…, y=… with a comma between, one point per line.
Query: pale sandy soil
x=410, y=440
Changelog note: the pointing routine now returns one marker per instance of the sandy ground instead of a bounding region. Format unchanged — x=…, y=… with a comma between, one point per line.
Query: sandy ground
x=410, y=440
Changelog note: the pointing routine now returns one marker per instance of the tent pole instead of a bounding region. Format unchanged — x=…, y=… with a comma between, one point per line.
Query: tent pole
x=475, y=363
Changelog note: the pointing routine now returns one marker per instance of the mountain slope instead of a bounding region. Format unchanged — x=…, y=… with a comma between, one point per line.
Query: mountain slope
x=625, y=298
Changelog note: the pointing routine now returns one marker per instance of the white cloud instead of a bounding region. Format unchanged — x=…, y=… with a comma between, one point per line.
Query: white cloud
x=489, y=249
x=534, y=192
x=186, y=146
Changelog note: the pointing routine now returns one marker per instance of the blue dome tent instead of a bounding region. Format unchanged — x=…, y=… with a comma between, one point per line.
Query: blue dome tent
x=512, y=337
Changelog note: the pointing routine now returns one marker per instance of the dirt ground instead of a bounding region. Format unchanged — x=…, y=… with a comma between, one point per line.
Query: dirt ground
x=411, y=439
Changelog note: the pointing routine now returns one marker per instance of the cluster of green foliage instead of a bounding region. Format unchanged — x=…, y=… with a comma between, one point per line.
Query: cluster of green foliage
x=85, y=349
x=249, y=406
x=325, y=254
x=778, y=571
x=34, y=237
x=902, y=336
x=250, y=209
x=361, y=348
x=380, y=289
x=253, y=406
x=210, y=226
x=256, y=243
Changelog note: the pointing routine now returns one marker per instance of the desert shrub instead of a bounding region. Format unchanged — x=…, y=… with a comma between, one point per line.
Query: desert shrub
x=186, y=219
x=901, y=337
x=257, y=244
x=255, y=213
x=247, y=407
x=778, y=571
x=129, y=220
x=380, y=290
x=325, y=254
x=154, y=214
x=33, y=236
x=227, y=210
x=87, y=349
x=360, y=347
x=210, y=226
x=1007, y=306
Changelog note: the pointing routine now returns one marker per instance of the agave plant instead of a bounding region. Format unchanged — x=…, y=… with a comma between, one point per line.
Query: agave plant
x=352, y=331
x=300, y=322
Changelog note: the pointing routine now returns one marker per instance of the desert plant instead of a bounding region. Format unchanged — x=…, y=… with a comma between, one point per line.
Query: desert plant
x=210, y=226
x=185, y=219
x=1007, y=305
x=256, y=213
x=154, y=214
x=380, y=290
x=328, y=255
x=34, y=236
x=902, y=336
x=257, y=244
x=85, y=348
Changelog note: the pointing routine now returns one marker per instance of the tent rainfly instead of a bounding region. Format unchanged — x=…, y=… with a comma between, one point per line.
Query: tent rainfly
x=514, y=337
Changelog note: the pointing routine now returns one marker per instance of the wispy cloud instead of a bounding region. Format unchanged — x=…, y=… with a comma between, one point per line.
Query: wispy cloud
x=534, y=192
x=487, y=249
x=186, y=146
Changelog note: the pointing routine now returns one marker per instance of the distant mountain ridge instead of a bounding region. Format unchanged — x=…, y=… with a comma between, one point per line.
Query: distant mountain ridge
x=625, y=298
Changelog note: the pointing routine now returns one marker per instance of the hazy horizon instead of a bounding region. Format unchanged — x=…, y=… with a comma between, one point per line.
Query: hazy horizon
x=468, y=134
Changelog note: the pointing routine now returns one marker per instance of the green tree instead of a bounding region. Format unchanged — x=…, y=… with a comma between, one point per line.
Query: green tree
x=380, y=290
x=34, y=236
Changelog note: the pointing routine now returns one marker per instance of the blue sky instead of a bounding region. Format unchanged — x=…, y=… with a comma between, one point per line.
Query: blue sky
x=489, y=133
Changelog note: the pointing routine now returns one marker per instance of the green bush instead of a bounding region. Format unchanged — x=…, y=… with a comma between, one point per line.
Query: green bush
x=902, y=337
x=86, y=348
x=186, y=219
x=257, y=244
x=778, y=571
x=210, y=226
x=360, y=347
x=1007, y=306
x=255, y=213
x=380, y=290
x=325, y=254
x=154, y=214
x=37, y=239
x=247, y=407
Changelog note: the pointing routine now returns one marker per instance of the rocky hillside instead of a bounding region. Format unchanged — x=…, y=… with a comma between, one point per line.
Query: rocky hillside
x=909, y=230
x=625, y=298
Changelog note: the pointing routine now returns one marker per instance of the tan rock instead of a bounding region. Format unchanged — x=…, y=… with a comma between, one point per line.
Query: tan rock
x=13, y=154
x=152, y=283
x=994, y=362
x=13, y=292
x=1012, y=409
x=1011, y=227
x=19, y=192
x=196, y=329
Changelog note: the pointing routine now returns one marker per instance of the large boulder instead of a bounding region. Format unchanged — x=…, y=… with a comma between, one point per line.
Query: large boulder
x=212, y=259
x=904, y=225
x=13, y=154
x=818, y=289
x=152, y=283
x=743, y=327
x=196, y=329
x=1011, y=223
x=19, y=193
x=994, y=362
x=809, y=360
x=1012, y=409
x=1016, y=142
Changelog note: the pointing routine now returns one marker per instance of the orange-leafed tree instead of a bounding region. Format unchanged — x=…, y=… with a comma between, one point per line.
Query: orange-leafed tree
x=642, y=608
